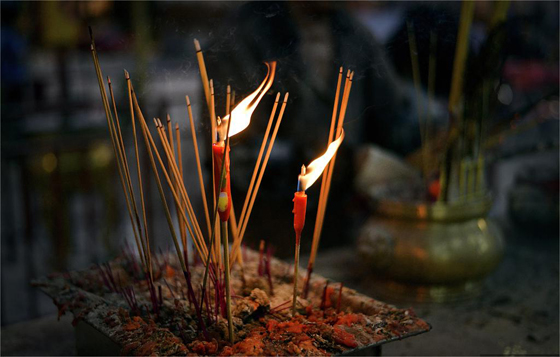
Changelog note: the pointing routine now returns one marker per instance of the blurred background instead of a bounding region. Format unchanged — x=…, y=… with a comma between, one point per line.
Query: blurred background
x=62, y=205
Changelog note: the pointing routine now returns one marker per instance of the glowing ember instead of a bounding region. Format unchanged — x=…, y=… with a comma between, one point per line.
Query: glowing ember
x=241, y=114
x=315, y=169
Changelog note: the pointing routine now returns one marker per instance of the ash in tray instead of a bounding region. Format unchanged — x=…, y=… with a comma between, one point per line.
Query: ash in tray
x=163, y=319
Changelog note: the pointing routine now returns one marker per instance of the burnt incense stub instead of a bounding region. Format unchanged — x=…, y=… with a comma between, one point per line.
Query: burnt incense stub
x=115, y=300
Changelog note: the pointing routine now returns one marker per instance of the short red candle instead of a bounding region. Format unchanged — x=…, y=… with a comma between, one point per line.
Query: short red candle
x=218, y=150
x=300, y=205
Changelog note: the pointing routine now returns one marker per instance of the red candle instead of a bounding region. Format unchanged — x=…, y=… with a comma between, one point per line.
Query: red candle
x=223, y=192
x=300, y=205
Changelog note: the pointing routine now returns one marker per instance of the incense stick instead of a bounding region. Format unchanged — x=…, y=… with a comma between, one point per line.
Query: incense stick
x=124, y=162
x=182, y=189
x=258, y=162
x=138, y=170
x=198, y=166
x=180, y=159
x=112, y=135
x=261, y=173
x=330, y=168
x=203, y=74
x=418, y=87
x=148, y=140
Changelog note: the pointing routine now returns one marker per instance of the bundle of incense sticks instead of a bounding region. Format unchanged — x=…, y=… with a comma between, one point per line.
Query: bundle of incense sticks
x=452, y=163
x=327, y=174
x=167, y=160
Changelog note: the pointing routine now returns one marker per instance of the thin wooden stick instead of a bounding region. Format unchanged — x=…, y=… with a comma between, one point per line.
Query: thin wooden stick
x=180, y=159
x=138, y=169
x=126, y=171
x=214, y=139
x=228, y=100
x=182, y=189
x=199, y=167
x=342, y=115
x=467, y=12
x=258, y=162
x=112, y=135
x=148, y=140
x=261, y=173
x=225, y=243
x=203, y=74
x=199, y=242
x=418, y=87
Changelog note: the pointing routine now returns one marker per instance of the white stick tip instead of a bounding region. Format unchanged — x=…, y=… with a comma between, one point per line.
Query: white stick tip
x=188, y=100
x=197, y=45
x=286, y=97
x=126, y=75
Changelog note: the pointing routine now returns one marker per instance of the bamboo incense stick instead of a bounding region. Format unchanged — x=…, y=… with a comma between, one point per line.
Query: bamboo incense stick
x=124, y=161
x=203, y=73
x=179, y=205
x=182, y=230
x=182, y=189
x=323, y=180
x=228, y=100
x=467, y=12
x=214, y=138
x=198, y=166
x=418, y=87
x=138, y=170
x=257, y=164
x=149, y=141
x=330, y=168
x=199, y=243
x=261, y=173
x=112, y=135
x=147, y=137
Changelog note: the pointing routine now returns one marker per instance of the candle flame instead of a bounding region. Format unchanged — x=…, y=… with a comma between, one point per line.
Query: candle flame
x=316, y=168
x=241, y=114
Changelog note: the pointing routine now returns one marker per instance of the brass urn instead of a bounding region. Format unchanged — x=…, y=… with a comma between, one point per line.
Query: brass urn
x=431, y=252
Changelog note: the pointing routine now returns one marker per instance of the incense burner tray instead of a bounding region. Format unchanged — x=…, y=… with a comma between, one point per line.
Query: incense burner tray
x=114, y=314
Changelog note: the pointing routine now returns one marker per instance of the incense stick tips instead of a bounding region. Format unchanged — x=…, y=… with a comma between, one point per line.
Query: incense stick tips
x=126, y=75
x=351, y=76
x=168, y=118
x=228, y=90
x=197, y=45
x=109, y=80
x=286, y=97
x=188, y=101
x=341, y=69
x=155, y=122
x=277, y=97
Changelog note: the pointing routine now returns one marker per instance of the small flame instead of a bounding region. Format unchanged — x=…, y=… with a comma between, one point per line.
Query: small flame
x=241, y=114
x=316, y=168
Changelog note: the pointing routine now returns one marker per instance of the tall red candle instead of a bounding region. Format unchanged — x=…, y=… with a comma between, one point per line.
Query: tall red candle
x=300, y=205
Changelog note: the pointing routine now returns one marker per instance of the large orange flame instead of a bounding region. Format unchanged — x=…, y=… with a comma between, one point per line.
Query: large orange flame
x=316, y=168
x=241, y=114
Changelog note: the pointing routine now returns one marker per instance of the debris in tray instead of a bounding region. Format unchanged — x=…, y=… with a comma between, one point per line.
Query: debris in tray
x=116, y=301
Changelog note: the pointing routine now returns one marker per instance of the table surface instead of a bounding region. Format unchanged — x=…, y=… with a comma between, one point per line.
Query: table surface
x=517, y=312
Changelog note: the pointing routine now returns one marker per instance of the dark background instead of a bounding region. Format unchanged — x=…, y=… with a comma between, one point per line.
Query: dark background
x=62, y=207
